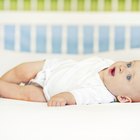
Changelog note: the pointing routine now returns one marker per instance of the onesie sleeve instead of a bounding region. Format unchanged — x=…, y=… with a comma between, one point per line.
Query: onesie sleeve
x=85, y=96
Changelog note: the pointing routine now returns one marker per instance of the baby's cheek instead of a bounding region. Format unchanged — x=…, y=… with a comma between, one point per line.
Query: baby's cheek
x=115, y=82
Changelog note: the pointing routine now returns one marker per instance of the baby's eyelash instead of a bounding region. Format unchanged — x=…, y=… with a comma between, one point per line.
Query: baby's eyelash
x=128, y=77
x=129, y=64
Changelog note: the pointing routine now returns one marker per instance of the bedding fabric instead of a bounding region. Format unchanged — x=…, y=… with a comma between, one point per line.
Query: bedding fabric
x=22, y=120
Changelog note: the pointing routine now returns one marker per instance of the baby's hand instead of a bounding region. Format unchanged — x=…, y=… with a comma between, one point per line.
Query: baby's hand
x=57, y=100
x=62, y=99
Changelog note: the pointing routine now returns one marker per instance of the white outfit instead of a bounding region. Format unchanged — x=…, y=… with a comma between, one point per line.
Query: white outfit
x=81, y=78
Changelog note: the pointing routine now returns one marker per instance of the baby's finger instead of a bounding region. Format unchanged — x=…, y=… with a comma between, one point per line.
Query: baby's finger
x=49, y=103
x=58, y=103
x=63, y=103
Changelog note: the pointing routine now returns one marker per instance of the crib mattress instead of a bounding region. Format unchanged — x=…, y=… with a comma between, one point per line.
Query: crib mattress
x=21, y=120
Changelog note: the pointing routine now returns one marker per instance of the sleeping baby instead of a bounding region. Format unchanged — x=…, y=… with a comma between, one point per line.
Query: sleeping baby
x=70, y=82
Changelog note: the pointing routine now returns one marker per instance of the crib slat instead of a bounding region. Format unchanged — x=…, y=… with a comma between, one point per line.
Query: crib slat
x=71, y=33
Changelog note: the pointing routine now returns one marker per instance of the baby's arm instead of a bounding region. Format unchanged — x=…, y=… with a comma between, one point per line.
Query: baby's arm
x=62, y=99
x=26, y=93
x=23, y=73
x=33, y=93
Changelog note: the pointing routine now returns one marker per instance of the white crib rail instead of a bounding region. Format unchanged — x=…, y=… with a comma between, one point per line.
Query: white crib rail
x=65, y=18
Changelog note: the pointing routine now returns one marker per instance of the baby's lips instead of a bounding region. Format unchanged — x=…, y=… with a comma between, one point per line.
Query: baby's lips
x=112, y=71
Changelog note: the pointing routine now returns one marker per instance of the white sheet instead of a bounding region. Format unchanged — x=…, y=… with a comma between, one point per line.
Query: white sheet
x=35, y=121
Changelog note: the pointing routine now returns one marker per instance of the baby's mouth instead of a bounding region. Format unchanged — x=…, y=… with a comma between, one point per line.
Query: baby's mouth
x=112, y=71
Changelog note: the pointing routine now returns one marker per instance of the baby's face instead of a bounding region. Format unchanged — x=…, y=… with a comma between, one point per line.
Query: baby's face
x=123, y=79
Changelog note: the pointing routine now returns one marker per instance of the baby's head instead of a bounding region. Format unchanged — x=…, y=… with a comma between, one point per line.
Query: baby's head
x=122, y=79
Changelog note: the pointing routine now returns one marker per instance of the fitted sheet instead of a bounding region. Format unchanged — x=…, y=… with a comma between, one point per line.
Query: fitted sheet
x=21, y=120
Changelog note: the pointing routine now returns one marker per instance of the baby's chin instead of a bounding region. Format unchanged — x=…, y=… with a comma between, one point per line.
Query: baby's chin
x=104, y=75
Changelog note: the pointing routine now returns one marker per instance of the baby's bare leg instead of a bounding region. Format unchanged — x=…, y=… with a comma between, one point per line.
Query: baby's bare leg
x=23, y=72
x=27, y=93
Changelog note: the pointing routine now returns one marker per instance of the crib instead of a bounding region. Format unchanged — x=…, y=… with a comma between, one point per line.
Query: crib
x=70, y=33
x=29, y=36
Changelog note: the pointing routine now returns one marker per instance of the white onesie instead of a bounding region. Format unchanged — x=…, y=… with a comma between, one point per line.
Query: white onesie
x=81, y=78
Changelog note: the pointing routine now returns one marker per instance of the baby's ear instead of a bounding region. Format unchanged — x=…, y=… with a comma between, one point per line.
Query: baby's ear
x=124, y=99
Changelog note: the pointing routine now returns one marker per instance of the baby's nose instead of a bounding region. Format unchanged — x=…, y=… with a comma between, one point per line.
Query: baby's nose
x=122, y=68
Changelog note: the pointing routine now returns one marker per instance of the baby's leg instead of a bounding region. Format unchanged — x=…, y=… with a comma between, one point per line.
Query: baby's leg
x=23, y=73
x=27, y=93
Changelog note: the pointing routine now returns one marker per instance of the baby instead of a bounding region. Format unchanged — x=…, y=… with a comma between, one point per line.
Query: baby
x=71, y=82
